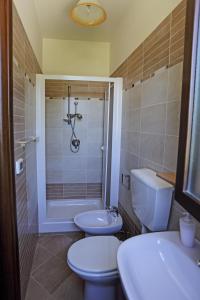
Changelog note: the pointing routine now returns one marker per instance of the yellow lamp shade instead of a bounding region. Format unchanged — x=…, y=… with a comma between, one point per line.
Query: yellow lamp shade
x=88, y=13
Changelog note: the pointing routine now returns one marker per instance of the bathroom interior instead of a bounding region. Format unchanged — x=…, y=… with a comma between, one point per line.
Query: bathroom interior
x=105, y=149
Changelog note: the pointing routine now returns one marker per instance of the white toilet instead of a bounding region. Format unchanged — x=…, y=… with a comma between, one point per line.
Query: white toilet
x=94, y=259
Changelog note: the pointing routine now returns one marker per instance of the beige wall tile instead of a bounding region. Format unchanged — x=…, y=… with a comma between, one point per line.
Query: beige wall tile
x=135, y=95
x=153, y=119
x=171, y=151
x=152, y=147
x=154, y=90
x=173, y=118
x=175, y=82
x=133, y=119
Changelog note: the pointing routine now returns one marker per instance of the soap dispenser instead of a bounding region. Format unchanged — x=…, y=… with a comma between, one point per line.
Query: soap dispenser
x=187, y=230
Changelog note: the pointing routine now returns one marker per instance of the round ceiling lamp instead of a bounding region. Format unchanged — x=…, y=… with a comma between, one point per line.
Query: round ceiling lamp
x=88, y=13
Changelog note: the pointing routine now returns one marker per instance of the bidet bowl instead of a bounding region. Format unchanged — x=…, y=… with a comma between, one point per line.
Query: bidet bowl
x=98, y=222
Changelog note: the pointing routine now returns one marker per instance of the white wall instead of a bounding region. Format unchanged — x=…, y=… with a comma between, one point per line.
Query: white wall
x=76, y=57
x=27, y=12
x=139, y=22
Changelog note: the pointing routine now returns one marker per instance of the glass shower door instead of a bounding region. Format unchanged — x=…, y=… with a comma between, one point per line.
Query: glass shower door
x=107, y=144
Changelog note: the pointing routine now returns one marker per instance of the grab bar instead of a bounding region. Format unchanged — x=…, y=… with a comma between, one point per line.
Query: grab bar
x=24, y=143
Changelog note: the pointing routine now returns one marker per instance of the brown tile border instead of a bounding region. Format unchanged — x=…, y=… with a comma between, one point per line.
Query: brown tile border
x=83, y=89
x=73, y=191
x=163, y=47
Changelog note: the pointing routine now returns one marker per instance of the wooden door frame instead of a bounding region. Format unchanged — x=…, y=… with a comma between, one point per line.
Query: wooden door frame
x=188, y=76
x=9, y=255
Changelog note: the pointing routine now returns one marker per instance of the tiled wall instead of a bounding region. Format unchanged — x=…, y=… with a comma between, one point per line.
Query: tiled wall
x=25, y=67
x=150, y=125
x=74, y=191
x=164, y=46
x=81, y=89
x=74, y=174
x=151, y=107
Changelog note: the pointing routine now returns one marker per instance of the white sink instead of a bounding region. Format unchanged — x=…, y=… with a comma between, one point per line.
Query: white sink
x=98, y=222
x=156, y=266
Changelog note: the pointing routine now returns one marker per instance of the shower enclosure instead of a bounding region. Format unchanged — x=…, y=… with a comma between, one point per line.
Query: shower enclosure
x=78, y=124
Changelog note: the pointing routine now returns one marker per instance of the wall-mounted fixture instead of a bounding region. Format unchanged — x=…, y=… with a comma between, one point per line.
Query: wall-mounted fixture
x=126, y=180
x=71, y=120
x=19, y=166
x=25, y=142
x=88, y=13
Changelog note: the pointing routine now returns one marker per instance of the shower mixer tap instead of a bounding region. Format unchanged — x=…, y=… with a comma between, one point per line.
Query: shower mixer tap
x=70, y=116
x=71, y=120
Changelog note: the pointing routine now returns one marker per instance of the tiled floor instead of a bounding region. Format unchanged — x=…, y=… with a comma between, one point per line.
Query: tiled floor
x=51, y=278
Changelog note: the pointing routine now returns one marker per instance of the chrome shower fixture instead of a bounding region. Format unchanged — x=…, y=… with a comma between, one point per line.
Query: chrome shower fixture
x=70, y=116
x=76, y=143
x=71, y=120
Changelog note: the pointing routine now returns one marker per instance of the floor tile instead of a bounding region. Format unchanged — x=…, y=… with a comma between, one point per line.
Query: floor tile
x=51, y=278
x=51, y=274
x=40, y=257
x=70, y=289
x=36, y=292
x=57, y=245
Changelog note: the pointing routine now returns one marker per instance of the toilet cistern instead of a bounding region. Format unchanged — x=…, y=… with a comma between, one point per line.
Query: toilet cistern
x=151, y=199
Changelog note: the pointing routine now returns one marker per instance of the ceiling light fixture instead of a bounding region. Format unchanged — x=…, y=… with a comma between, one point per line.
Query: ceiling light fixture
x=88, y=13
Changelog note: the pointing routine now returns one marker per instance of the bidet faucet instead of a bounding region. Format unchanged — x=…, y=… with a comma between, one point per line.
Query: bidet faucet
x=113, y=210
x=198, y=263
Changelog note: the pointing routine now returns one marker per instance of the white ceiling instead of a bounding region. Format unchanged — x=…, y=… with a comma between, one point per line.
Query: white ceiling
x=55, y=23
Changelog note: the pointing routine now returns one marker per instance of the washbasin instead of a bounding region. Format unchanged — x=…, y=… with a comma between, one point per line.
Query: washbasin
x=98, y=222
x=156, y=266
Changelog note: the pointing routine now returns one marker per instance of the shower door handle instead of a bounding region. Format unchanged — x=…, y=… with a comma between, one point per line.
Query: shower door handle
x=102, y=148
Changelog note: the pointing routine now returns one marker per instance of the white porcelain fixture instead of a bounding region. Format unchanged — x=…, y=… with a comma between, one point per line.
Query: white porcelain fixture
x=94, y=259
x=55, y=221
x=99, y=222
x=151, y=199
x=157, y=266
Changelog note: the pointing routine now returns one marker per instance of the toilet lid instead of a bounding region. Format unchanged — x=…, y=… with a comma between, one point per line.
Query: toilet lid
x=96, y=254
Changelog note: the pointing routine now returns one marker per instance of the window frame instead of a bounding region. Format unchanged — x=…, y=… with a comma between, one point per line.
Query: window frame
x=189, y=64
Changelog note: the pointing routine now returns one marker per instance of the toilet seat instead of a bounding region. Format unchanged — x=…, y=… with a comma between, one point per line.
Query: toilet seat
x=94, y=256
x=98, y=277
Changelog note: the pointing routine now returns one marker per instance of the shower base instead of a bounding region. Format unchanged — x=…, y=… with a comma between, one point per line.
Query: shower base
x=60, y=213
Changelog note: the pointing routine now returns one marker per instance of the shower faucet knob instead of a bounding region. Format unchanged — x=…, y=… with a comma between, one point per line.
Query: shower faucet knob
x=76, y=143
x=79, y=116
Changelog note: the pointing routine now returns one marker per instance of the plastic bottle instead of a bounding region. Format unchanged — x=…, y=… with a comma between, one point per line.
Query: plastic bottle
x=187, y=230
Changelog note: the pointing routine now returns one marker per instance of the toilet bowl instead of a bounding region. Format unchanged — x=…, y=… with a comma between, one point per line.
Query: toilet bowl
x=94, y=259
x=99, y=222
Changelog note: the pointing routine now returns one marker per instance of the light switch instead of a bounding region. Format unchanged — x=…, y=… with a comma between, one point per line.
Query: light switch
x=19, y=166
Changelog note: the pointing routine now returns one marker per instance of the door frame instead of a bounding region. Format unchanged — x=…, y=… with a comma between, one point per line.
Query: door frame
x=56, y=225
x=9, y=254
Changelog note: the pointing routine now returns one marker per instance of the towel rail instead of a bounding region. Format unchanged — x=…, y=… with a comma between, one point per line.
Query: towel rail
x=24, y=143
